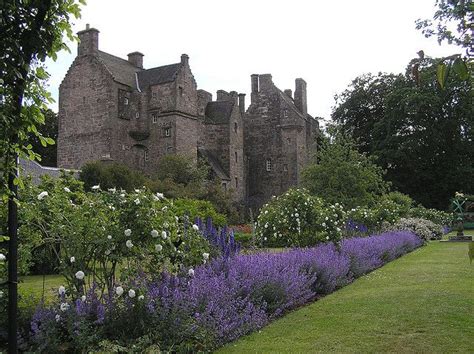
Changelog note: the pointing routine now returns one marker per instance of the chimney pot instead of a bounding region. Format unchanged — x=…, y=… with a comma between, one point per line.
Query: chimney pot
x=184, y=59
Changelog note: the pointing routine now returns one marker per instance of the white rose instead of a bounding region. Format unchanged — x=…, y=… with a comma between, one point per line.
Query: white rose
x=109, y=237
x=141, y=297
x=64, y=307
x=67, y=190
x=164, y=235
x=73, y=259
x=137, y=201
x=1, y=294
x=119, y=290
x=191, y=272
x=160, y=195
x=42, y=195
x=195, y=227
x=57, y=318
x=2, y=257
x=158, y=248
x=129, y=243
x=205, y=256
x=62, y=290
x=128, y=232
x=131, y=293
x=80, y=275
x=164, y=208
x=95, y=188
x=154, y=233
x=112, y=190
x=83, y=298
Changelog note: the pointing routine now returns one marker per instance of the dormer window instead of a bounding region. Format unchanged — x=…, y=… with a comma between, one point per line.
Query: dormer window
x=268, y=165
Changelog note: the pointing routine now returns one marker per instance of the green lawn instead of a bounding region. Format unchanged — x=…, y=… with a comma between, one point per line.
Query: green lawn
x=420, y=303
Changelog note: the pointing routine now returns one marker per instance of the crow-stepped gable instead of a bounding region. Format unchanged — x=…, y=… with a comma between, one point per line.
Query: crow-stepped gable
x=115, y=109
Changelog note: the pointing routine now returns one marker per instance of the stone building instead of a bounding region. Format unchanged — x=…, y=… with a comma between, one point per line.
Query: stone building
x=115, y=109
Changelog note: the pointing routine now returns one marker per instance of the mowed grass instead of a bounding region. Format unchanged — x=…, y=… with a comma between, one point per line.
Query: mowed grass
x=420, y=303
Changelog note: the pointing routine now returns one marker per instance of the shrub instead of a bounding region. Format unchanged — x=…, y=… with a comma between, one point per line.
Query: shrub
x=296, y=219
x=201, y=209
x=424, y=229
x=436, y=216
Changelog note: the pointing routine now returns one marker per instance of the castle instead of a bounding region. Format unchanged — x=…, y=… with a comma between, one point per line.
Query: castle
x=114, y=109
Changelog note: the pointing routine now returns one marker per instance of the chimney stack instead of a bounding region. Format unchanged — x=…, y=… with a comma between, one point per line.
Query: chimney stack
x=136, y=59
x=289, y=93
x=184, y=59
x=300, y=96
x=265, y=82
x=88, y=41
x=254, y=85
x=242, y=103
x=234, y=97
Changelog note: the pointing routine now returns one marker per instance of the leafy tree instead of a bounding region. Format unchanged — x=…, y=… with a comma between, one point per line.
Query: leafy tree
x=422, y=134
x=343, y=175
x=31, y=31
x=48, y=129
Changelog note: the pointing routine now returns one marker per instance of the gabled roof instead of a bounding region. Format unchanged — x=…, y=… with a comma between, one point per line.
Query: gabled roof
x=121, y=70
x=124, y=72
x=218, y=112
x=214, y=163
x=159, y=75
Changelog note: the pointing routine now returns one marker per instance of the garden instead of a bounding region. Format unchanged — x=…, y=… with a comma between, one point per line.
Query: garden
x=139, y=271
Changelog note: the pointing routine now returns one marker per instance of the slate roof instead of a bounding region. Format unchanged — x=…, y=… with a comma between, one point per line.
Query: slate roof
x=159, y=75
x=122, y=71
x=35, y=170
x=218, y=112
x=214, y=163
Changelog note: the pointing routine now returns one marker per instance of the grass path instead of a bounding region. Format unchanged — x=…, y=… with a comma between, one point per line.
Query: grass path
x=420, y=303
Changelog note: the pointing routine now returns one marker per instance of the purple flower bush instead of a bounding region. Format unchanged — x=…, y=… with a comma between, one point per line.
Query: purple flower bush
x=218, y=302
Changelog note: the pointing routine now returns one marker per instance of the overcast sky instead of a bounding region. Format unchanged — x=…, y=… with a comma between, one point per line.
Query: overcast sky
x=327, y=43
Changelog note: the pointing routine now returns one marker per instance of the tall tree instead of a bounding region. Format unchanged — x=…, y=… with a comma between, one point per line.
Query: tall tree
x=31, y=31
x=422, y=134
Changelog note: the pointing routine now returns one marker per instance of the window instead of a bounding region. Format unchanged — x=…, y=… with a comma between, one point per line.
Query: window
x=154, y=118
x=285, y=113
x=146, y=155
x=268, y=165
x=125, y=101
x=180, y=90
x=236, y=155
x=153, y=94
x=235, y=127
x=224, y=186
x=236, y=182
x=137, y=115
x=167, y=132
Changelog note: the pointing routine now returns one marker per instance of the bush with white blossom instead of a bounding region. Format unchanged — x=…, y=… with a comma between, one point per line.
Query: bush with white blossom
x=297, y=219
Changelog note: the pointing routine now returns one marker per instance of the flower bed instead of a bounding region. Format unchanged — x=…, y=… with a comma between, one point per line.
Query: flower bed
x=216, y=303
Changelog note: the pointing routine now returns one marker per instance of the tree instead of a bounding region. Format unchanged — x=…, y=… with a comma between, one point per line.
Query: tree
x=454, y=23
x=421, y=134
x=31, y=31
x=343, y=175
x=48, y=154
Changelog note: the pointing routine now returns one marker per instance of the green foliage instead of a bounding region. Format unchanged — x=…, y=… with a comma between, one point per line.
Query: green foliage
x=107, y=235
x=421, y=135
x=111, y=175
x=343, y=175
x=438, y=217
x=425, y=229
x=48, y=130
x=297, y=219
x=194, y=208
